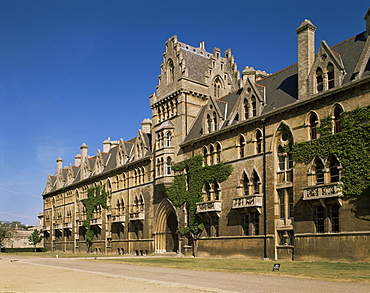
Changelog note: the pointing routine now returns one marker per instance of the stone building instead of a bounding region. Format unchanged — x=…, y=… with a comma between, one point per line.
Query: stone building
x=270, y=206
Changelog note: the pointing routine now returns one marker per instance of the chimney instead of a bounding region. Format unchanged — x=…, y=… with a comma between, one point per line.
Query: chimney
x=306, y=55
x=83, y=149
x=146, y=125
x=59, y=164
x=78, y=160
x=367, y=18
x=106, y=145
x=249, y=72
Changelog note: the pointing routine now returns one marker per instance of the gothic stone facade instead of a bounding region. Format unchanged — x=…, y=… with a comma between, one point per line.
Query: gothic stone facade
x=270, y=206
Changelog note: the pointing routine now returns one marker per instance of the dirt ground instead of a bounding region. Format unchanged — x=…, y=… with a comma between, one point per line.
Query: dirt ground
x=17, y=276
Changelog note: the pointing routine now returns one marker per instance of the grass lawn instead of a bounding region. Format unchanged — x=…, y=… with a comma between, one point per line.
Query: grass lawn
x=334, y=271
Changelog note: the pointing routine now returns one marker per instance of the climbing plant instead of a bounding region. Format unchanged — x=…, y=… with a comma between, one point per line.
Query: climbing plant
x=351, y=146
x=95, y=196
x=187, y=190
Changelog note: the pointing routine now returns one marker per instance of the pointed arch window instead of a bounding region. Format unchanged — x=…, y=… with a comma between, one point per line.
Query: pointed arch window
x=211, y=153
x=218, y=152
x=330, y=70
x=319, y=80
x=246, y=109
x=313, y=126
x=209, y=123
x=337, y=119
x=334, y=169
x=241, y=146
x=169, y=166
x=259, y=141
x=319, y=172
x=168, y=139
x=245, y=185
x=214, y=121
x=170, y=71
x=217, y=88
x=205, y=156
x=207, y=190
x=256, y=183
x=254, y=106
x=216, y=188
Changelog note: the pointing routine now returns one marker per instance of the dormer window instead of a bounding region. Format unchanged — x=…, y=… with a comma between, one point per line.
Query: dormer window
x=319, y=80
x=209, y=124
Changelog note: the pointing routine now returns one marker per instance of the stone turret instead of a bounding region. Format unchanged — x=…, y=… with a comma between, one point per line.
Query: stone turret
x=306, y=55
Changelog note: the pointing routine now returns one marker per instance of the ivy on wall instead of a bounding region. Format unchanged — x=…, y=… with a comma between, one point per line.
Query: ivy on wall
x=95, y=196
x=351, y=146
x=188, y=185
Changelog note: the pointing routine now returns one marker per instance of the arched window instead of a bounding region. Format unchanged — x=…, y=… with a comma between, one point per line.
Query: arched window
x=254, y=106
x=218, y=152
x=168, y=166
x=170, y=71
x=334, y=169
x=217, y=88
x=211, y=153
x=207, y=189
x=313, y=126
x=209, y=123
x=216, y=188
x=337, y=118
x=319, y=80
x=246, y=109
x=319, y=172
x=205, y=156
x=168, y=139
x=256, y=183
x=241, y=146
x=259, y=141
x=245, y=185
x=330, y=76
x=214, y=121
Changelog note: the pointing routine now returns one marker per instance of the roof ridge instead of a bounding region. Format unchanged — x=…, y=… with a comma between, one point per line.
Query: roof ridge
x=344, y=41
x=278, y=71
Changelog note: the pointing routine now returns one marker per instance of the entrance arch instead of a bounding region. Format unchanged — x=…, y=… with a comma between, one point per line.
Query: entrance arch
x=166, y=239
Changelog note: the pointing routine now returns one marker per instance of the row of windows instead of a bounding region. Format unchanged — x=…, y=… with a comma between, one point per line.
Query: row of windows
x=164, y=167
x=164, y=140
x=325, y=78
x=167, y=110
x=314, y=121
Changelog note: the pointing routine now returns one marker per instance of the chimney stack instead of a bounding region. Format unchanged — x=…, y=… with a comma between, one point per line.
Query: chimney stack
x=83, y=149
x=106, y=145
x=59, y=164
x=306, y=55
x=146, y=125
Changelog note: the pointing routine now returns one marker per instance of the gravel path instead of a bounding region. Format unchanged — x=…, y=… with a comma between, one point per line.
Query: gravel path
x=30, y=274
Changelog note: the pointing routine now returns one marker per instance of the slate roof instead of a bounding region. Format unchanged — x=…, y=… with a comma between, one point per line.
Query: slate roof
x=281, y=88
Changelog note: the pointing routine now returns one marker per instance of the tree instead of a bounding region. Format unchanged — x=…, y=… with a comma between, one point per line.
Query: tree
x=35, y=238
x=95, y=196
x=187, y=191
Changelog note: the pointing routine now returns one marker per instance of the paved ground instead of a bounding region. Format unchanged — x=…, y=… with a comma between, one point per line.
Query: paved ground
x=30, y=274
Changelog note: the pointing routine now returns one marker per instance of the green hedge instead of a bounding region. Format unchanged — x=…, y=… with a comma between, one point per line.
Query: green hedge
x=28, y=249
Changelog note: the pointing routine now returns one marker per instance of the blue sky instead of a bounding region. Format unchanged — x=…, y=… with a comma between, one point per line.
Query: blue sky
x=74, y=72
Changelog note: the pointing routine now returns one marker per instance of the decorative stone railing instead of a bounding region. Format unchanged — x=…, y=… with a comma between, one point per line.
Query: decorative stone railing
x=46, y=228
x=322, y=191
x=118, y=219
x=58, y=226
x=96, y=221
x=209, y=206
x=137, y=216
x=248, y=201
x=67, y=225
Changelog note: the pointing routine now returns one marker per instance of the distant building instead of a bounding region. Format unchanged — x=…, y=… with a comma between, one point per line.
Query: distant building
x=270, y=206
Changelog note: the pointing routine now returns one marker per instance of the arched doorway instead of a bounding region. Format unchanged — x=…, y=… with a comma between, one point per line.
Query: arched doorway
x=166, y=238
